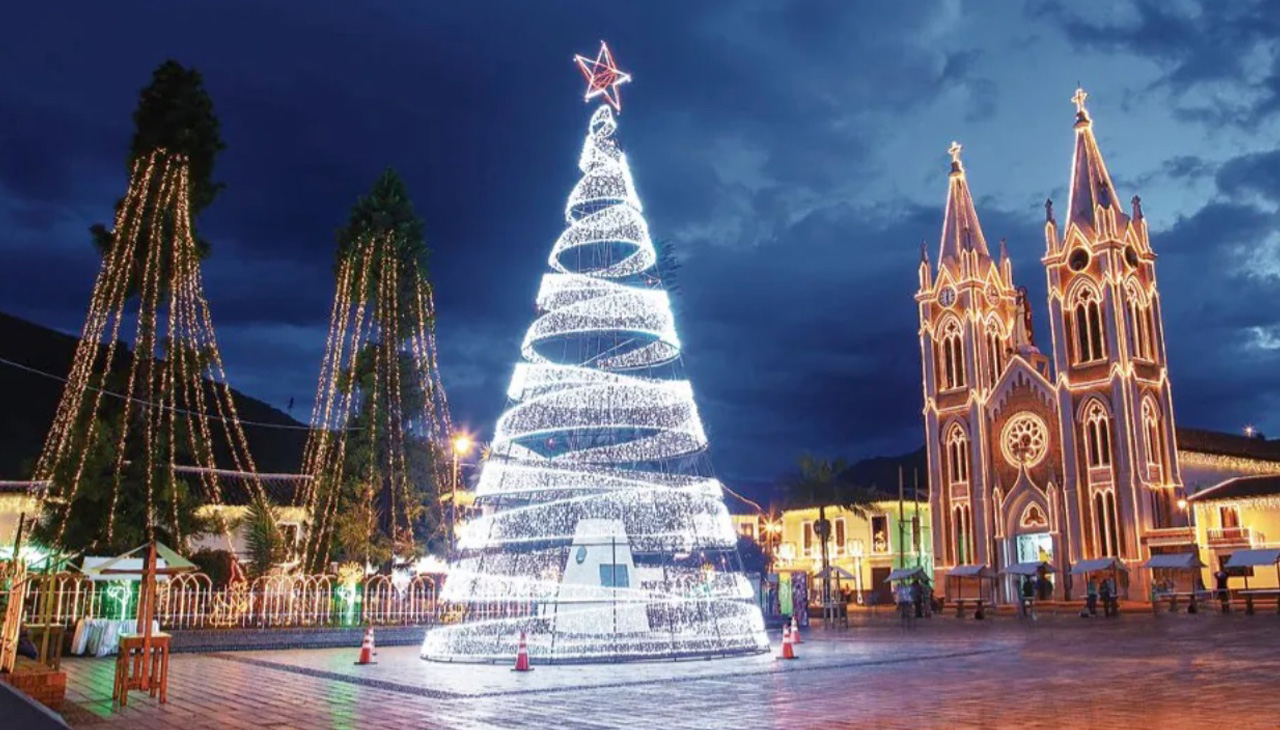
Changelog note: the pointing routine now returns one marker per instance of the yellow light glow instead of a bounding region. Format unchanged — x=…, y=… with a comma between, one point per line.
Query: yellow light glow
x=462, y=444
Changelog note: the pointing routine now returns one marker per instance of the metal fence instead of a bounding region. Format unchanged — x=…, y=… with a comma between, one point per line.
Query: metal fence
x=190, y=601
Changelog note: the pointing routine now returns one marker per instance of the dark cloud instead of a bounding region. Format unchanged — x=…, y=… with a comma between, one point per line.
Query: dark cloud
x=1220, y=58
x=757, y=133
x=1253, y=174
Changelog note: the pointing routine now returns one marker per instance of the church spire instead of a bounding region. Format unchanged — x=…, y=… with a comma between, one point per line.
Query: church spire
x=961, y=232
x=1091, y=187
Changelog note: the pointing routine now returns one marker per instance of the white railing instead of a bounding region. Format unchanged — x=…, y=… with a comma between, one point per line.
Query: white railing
x=190, y=601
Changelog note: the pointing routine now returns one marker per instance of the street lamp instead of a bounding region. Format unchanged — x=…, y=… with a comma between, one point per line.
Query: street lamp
x=461, y=447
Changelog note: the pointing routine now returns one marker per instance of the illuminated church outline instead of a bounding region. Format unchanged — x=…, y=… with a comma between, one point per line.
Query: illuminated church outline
x=1030, y=462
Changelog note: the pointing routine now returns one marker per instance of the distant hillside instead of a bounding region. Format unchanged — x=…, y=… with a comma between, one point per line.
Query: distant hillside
x=882, y=472
x=28, y=401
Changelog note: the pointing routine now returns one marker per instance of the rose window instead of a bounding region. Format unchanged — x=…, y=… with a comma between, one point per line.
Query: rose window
x=1025, y=440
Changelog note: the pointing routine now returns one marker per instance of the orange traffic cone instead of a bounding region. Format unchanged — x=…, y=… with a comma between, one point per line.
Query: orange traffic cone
x=788, y=652
x=366, y=648
x=795, y=632
x=373, y=645
x=522, y=657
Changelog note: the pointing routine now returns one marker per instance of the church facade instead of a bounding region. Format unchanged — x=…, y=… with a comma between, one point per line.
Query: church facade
x=1062, y=454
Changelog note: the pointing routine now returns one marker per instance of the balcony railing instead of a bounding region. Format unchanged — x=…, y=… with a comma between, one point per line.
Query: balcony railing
x=1235, y=537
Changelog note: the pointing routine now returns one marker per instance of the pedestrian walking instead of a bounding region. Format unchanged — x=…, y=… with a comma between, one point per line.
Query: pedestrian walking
x=1091, y=597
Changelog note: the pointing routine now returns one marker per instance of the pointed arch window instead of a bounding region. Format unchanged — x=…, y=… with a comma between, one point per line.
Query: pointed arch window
x=1153, y=438
x=957, y=456
x=963, y=548
x=1141, y=325
x=1097, y=435
x=1087, y=322
x=951, y=356
x=995, y=352
x=1109, y=537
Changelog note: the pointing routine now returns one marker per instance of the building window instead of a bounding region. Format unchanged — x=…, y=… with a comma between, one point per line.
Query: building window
x=951, y=359
x=958, y=456
x=962, y=531
x=995, y=352
x=1088, y=327
x=1228, y=517
x=808, y=538
x=1142, y=328
x=748, y=530
x=1097, y=436
x=840, y=536
x=1153, y=437
x=879, y=534
x=1110, y=538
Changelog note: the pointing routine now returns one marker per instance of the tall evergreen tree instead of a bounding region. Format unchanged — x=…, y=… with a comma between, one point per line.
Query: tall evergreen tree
x=374, y=453
x=175, y=114
x=112, y=462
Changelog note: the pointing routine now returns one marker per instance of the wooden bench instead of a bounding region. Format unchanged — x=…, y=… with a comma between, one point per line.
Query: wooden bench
x=1260, y=595
x=1193, y=599
x=979, y=605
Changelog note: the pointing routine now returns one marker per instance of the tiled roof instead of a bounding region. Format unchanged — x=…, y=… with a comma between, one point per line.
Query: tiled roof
x=1228, y=444
x=1240, y=488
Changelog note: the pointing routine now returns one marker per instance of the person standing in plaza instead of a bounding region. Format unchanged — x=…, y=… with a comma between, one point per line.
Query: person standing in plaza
x=1029, y=597
x=917, y=598
x=904, y=604
x=1091, y=597
x=1108, y=598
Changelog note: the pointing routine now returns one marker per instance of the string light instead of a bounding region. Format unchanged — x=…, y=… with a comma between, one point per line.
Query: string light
x=601, y=532
x=1096, y=224
x=175, y=364
x=383, y=318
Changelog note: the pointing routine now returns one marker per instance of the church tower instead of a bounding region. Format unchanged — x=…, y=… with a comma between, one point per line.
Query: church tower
x=968, y=311
x=1114, y=402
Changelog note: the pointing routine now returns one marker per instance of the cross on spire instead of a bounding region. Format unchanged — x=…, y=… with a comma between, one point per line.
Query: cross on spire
x=954, y=151
x=1079, y=98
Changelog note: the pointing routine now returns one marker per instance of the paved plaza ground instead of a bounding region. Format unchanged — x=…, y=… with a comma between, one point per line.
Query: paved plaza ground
x=1174, y=671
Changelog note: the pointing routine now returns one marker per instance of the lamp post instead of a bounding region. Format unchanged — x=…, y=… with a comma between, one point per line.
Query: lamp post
x=461, y=447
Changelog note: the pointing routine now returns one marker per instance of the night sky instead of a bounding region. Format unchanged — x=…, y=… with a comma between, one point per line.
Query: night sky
x=793, y=152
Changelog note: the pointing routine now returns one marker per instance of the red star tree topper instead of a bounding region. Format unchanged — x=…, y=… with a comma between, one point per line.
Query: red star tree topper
x=603, y=76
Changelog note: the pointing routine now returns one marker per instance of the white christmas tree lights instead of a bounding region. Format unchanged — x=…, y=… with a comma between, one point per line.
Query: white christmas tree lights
x=601, y=532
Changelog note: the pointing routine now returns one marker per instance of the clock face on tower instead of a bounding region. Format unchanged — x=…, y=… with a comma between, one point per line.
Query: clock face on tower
x=947, y=296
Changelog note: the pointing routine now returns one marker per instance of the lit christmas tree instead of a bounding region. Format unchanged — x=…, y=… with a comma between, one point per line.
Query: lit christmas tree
x=136, y=442
x=380, y=418
x=602, y=533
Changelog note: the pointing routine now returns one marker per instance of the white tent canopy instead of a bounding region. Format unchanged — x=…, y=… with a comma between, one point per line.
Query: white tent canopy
x=904, y=574
x=969, y=571
x=1253, y=558
x=834, y=571
x=1098, y=565
x=1175, y=561
x=93, y=565
x=1028, y=568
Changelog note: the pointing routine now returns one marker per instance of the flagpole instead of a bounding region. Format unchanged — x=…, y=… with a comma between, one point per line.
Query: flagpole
x=901, y=556
x=918, y=525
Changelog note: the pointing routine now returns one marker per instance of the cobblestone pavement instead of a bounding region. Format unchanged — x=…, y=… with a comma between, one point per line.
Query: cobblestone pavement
x=1060, y=672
